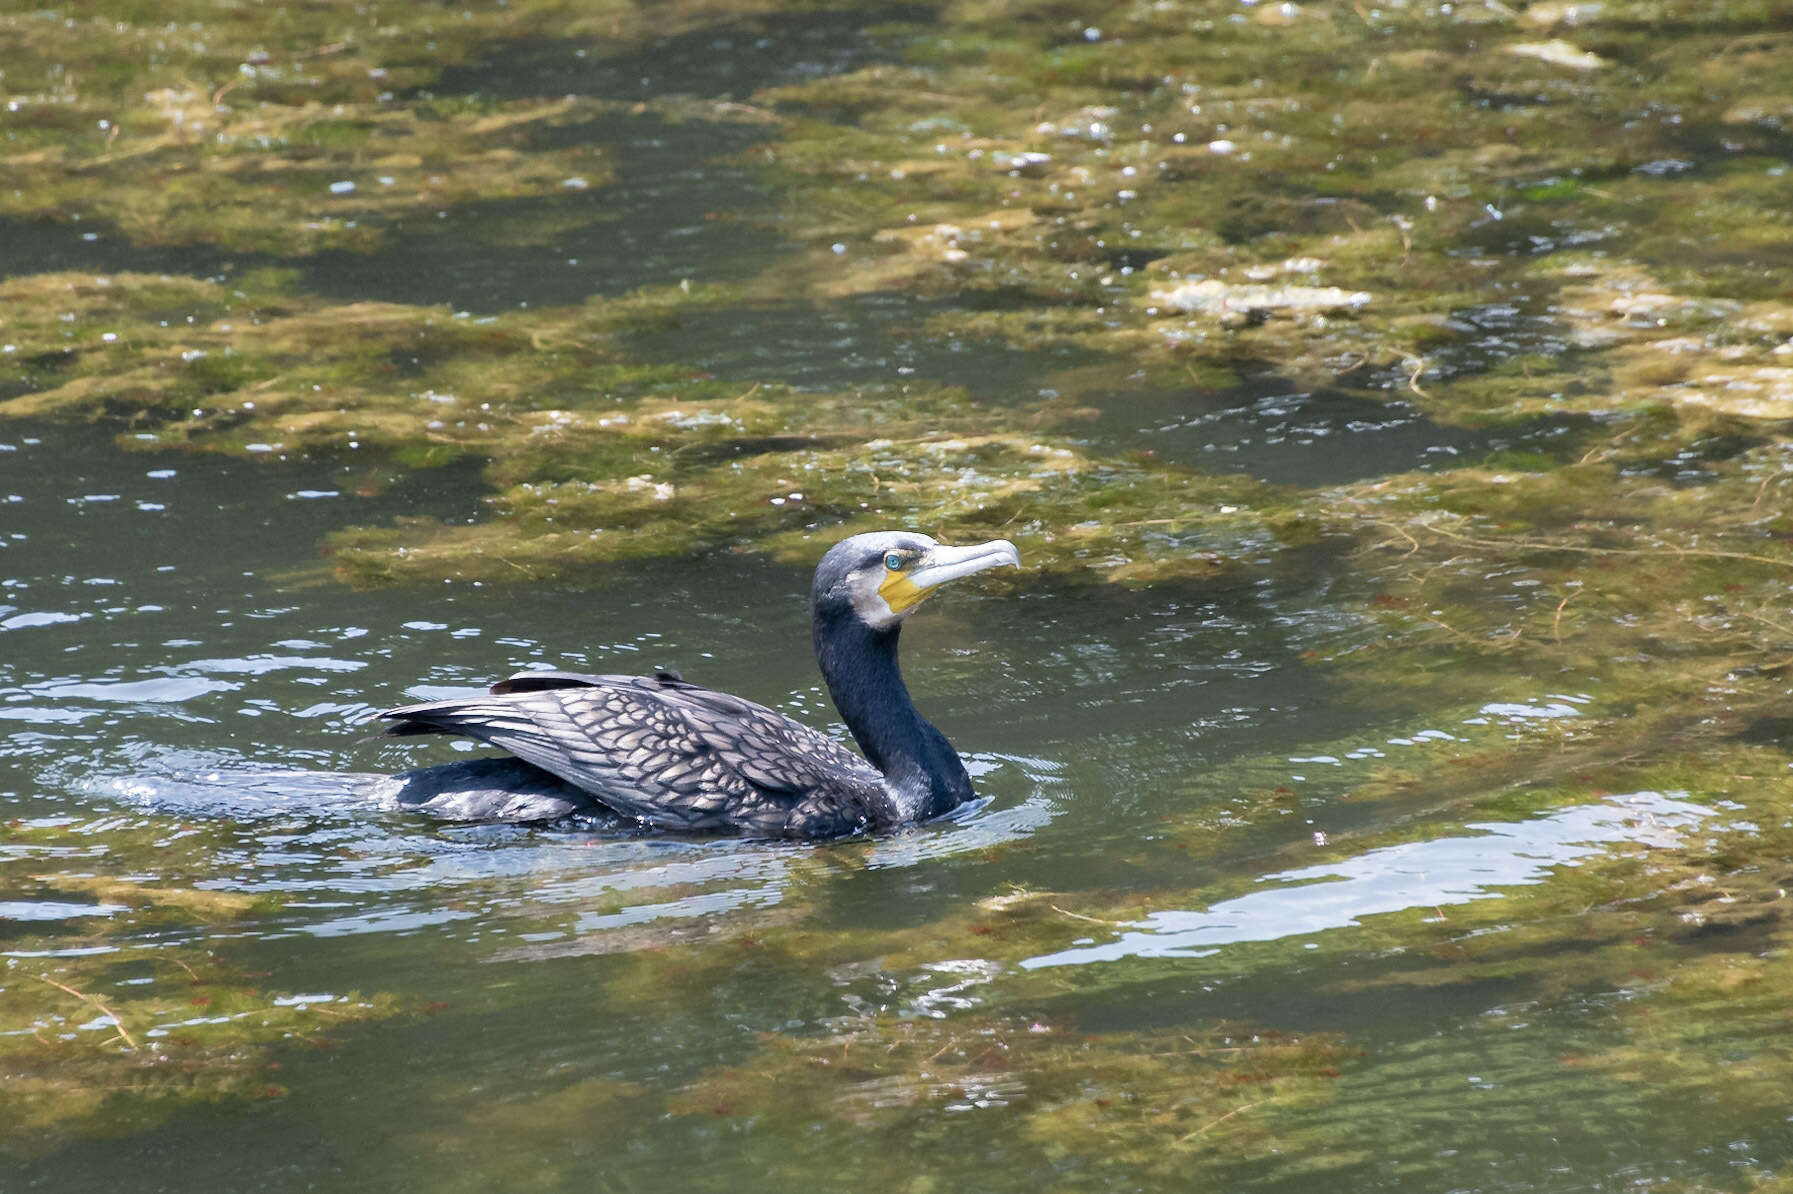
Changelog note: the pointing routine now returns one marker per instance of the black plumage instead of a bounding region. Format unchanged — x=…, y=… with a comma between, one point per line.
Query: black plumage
x=673, y=755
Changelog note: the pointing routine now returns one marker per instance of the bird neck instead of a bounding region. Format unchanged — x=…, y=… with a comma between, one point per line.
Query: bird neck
x=859, y=665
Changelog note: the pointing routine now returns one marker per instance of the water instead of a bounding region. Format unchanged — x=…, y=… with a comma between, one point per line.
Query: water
x=167, y=637
x=656, y=225
x=1225, y=914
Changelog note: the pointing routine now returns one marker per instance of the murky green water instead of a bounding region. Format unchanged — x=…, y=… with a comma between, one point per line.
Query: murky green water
x=1386, y=773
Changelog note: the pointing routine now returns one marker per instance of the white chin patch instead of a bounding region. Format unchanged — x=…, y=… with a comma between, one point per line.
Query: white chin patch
x=871, y=607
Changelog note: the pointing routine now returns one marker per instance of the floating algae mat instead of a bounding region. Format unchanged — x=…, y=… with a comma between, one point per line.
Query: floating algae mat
x=1136, y=189
x=1386, y=747
x=118, y=1013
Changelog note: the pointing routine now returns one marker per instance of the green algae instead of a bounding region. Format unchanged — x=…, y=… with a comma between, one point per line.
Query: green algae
x=293, y=180
x=1328, y=196
x=288, y=132
x=527, y=1134
x=1143, y=1105
x=597, y=461
x=255, y=369
x=1134, y=190
x=1020, y=155
x=1654, y=942
x=1665, y=944
x=121, y=1016
x=1049, y=499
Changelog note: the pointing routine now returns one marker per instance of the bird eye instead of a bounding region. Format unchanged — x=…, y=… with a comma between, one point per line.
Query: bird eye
x=894, y=562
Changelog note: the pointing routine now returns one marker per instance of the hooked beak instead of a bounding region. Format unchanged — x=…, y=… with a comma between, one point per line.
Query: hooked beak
x=950, y=563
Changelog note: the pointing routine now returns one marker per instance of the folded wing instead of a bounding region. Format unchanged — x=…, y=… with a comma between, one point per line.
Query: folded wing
x=665, y=752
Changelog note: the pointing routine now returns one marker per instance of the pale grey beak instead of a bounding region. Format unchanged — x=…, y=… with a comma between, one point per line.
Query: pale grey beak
x=950, y=563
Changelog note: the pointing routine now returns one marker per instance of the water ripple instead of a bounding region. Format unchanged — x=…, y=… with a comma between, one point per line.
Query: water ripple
x=1451, y=870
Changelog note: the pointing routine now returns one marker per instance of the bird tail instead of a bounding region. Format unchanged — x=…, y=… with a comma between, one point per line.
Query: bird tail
x=407, y=728
x=437, y=717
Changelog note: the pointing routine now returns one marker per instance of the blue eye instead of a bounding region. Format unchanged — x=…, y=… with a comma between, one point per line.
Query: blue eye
x=894, y=562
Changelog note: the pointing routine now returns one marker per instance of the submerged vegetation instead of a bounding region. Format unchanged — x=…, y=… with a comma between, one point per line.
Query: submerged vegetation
x=118, y=1013
x=1560, y=229
x=1139, y=192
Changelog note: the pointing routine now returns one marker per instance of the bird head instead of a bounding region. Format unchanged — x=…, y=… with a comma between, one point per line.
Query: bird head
x=883, y=575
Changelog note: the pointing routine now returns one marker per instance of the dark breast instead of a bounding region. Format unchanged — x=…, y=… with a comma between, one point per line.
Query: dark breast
x=669, y=754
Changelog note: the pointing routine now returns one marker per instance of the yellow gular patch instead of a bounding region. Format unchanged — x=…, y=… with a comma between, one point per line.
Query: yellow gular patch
x=899, y=592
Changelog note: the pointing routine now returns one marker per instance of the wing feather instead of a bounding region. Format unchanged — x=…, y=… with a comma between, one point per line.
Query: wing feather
x=659, y=750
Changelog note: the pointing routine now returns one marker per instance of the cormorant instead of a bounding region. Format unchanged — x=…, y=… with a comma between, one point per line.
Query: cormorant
x=664, y=753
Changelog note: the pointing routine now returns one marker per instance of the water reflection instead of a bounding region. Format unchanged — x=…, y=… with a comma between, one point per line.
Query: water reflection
x=1310, y=437
x=184, y=690
x=350, y=865
x=876, y=339
x=1443, y=871
x=730, y=61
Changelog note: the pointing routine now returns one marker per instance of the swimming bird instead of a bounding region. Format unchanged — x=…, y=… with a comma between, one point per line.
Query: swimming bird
x=667, y=754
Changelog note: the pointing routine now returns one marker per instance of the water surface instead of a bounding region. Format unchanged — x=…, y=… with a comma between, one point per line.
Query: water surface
x=1399, y=804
